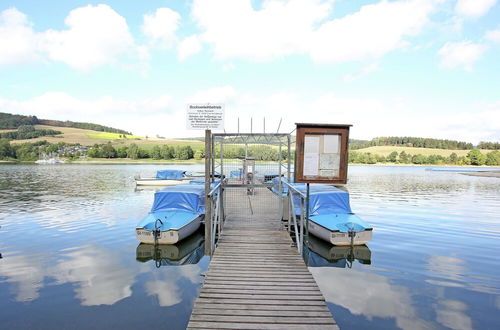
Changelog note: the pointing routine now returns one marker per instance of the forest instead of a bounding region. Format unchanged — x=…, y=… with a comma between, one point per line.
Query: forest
x=415, y=142
x=11, y=121
x=26, y=132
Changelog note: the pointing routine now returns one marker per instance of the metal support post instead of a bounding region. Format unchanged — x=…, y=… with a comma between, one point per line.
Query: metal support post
x=208, y=201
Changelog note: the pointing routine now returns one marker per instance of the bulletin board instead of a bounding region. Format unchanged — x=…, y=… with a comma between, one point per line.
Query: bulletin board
x=321, y=153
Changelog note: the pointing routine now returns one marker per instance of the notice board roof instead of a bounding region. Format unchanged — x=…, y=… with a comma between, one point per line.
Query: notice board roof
x=322, y=125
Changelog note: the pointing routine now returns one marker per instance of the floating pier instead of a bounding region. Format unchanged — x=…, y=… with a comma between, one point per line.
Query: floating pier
x=256, y=278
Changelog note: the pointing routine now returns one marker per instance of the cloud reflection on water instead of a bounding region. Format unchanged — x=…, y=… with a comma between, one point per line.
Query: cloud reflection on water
x=168, y=290
x=98, y=275
x=368, y=294
x=26, y=275
x=451, y=314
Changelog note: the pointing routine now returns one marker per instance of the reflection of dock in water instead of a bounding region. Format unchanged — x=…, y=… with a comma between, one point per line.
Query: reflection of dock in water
x=324, y=254
x=186, y=252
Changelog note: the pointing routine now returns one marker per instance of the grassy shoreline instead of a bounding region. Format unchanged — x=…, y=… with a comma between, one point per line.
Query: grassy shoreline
x=148, y=161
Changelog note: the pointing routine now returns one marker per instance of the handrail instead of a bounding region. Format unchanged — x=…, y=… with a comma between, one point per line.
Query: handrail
x=300, y=223
x=212, y=192
x=293, y=188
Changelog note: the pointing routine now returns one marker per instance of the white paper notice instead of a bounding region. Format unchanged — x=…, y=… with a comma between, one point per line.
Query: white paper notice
x=311, y=144
x=311, y=164
x=331, y=144
x=329, y=162
x=329, y=173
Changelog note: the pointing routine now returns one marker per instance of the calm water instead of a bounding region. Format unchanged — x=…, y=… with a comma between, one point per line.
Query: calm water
x=71, y=260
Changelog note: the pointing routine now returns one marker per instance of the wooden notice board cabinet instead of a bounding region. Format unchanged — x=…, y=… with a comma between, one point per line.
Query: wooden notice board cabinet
x=321, y=153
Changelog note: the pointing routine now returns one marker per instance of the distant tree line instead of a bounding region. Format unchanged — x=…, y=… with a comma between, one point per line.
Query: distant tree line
x=489, y=145
x=411, y=142
x=133, y=151
x=33, y=151
x=25, y=132
x=90, y=126
x=11, y=121
x=473, y=157
x=259, y=152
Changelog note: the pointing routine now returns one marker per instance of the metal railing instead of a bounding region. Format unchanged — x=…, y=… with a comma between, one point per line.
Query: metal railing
x=215, y=196
x=300, y=224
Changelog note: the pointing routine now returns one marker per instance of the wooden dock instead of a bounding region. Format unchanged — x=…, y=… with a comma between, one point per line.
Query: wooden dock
x=256, y=278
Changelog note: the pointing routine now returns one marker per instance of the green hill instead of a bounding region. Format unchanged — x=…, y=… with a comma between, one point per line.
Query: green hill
x=12, y=121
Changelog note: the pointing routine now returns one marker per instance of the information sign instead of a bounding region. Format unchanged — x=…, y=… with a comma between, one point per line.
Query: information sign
x=321, y=153
x=205, y=116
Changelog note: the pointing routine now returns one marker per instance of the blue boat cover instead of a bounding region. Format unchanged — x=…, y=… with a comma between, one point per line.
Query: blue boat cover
x=325, y=199
x=236, y=174
x=169, y=220
x=170, y=174
x=190, y=198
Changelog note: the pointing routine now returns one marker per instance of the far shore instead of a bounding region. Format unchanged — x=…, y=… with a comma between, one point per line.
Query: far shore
x=489, y=174
x=148, y=161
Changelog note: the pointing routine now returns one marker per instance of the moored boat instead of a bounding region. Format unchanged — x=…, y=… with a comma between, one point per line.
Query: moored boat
x=177, y=212
x=165, y=178
x=330, y=214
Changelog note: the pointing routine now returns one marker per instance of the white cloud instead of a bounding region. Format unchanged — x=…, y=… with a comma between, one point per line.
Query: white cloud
x=371, y=32
x=19, y=43
x=461, y=54
x=161, y=26
x=365, y=71
x=97, y=35
x=222, y=94
x=493, y=36
x=280, y=28
x=474, y=8
x=145, y=116
x=189, y=46
x=166, y=116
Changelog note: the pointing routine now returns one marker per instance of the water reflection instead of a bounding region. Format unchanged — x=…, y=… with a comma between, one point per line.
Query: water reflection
x=186, y=252
x=169, y=284
x=26, y=275
x=98, y=273
x=324, y=254
x=368, y=294
x=451, y=314
x=68, y=243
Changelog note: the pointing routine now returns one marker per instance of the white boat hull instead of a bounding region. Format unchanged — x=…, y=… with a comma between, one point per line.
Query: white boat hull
x=171, y=236
x=159, y=182
x=339, y=238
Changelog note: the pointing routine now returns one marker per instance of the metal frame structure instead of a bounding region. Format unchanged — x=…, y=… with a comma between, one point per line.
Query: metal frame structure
x=214, y=166
x=221, y=139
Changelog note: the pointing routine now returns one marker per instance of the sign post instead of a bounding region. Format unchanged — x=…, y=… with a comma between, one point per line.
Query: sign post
x=208, y=201
x=206, y=117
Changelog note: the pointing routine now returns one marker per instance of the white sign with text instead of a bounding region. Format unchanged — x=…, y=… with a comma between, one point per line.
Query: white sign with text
x=205, y=116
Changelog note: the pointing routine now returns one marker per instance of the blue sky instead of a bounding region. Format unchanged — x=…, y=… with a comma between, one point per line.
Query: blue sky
x=428, y=68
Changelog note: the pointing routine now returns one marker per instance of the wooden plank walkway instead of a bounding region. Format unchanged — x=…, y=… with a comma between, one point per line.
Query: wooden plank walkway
x=256, y=278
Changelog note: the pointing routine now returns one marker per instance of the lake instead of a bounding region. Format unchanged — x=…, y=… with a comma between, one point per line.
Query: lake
x=70, y=258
